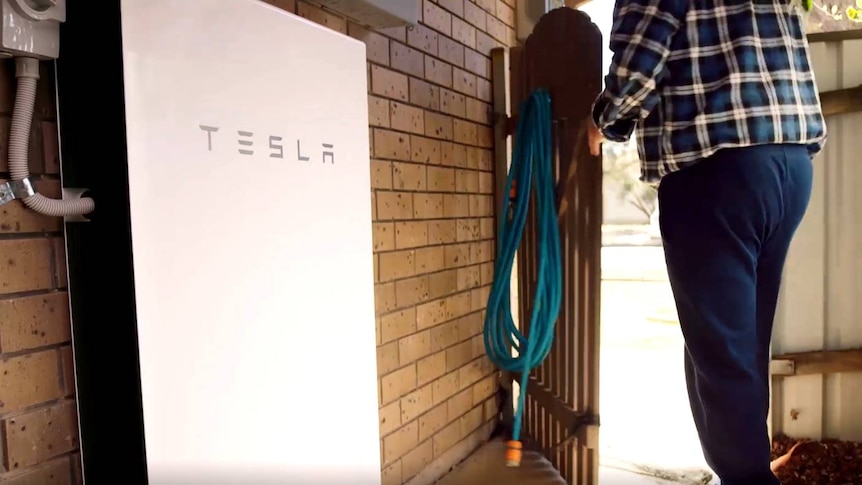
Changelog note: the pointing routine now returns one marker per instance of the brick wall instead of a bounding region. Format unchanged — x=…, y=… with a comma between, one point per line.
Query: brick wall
x=38, y=426
x=432, y=192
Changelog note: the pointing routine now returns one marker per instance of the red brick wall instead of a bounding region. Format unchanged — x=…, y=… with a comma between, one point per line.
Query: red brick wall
x=432, y=191
x=38, y=426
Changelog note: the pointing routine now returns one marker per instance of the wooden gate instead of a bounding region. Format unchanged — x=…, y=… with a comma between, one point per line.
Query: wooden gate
x=563, y=56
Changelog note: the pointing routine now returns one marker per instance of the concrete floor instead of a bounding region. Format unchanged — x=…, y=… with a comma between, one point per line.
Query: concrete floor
x=641, y=362
x=486, y=466
x=640, y=340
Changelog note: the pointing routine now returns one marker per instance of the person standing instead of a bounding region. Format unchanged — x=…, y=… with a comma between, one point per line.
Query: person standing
x=725, y=107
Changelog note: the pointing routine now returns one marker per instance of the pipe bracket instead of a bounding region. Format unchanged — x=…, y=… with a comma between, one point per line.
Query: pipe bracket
x=16, y=189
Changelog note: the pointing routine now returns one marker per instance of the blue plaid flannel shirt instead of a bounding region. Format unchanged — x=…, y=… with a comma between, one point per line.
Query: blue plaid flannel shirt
x=695, y=76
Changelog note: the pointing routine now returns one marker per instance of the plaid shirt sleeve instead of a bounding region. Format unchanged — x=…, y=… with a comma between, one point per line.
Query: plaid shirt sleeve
x=640, y=41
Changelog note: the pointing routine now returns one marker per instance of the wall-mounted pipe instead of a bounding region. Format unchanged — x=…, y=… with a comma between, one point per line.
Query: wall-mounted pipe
x=27, y=73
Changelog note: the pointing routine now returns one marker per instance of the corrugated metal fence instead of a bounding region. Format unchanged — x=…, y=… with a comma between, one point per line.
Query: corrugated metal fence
x=817, y=364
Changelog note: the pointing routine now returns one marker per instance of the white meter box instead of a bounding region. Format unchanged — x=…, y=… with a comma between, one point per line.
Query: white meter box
x=230, y=258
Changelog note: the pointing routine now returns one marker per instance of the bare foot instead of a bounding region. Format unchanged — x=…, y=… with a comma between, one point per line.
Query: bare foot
x=785, y=458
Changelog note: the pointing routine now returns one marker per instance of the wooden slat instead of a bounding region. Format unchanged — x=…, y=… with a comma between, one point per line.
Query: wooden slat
x=500, y=76
x=836, y=36
x=841, y=101
x=502, y=114
x=563, y=56
x=812, y=363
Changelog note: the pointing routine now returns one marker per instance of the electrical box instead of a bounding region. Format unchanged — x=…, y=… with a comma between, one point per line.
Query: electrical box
x=31, y=27
x=378, y=14
x=224, y=290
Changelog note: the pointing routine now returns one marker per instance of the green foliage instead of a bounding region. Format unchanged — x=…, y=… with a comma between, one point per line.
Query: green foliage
x=837, y=9
x=621, y=166
x=831, y=15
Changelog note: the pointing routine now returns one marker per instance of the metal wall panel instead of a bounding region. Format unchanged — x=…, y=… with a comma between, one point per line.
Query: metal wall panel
x=822, y=294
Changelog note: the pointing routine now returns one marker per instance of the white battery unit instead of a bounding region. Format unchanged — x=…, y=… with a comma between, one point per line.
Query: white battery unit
x=230, y=258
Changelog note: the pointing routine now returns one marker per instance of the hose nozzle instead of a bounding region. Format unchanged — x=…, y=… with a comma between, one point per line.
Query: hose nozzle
x=513, y=453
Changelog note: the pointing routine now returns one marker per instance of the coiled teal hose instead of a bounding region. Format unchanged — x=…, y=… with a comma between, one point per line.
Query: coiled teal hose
x=531, y=171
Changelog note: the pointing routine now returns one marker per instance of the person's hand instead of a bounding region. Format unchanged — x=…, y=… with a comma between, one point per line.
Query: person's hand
x=594, y=138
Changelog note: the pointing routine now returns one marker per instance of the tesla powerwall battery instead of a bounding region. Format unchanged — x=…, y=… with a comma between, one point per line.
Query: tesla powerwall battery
x=249, y=224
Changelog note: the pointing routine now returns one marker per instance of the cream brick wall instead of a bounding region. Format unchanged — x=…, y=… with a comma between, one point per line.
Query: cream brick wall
x=433, y=195
x=38, y=424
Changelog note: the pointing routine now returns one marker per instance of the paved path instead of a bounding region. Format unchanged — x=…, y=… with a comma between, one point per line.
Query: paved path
x=486, y=466
x=646, y=421
x=642, y=263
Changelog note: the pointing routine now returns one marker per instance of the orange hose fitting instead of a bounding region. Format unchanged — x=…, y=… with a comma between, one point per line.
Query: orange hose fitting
x=513, y=453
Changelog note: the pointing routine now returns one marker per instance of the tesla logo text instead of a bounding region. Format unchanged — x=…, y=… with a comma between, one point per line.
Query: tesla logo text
x=273, y=146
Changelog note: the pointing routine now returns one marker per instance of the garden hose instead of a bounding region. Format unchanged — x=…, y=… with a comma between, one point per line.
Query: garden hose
x=531, y=174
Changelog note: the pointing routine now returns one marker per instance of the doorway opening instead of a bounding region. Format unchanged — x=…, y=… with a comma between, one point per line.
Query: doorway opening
x=647, y=425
